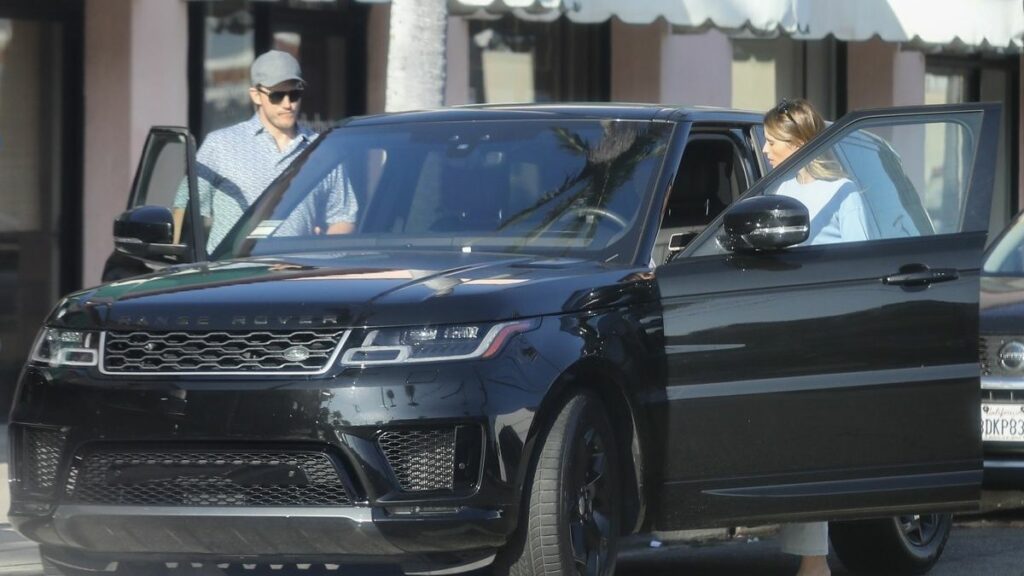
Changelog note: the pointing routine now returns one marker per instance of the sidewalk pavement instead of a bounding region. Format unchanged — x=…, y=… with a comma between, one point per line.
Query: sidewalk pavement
x=18, y=556
x=5, y=493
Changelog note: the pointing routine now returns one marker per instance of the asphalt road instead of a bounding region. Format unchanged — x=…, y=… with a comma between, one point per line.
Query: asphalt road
x=992, y=545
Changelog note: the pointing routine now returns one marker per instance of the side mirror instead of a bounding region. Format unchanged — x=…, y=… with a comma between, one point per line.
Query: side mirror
x=147, y=232
x=764, y=223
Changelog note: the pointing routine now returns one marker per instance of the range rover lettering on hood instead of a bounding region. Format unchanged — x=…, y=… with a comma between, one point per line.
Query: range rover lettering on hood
x=141, y=321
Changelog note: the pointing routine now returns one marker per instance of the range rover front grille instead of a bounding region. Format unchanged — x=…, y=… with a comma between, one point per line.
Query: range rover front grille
x=422, y=459
x=206, y=478
x=293, y=352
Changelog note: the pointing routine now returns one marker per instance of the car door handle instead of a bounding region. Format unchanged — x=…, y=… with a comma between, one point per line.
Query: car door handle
x=920, y=275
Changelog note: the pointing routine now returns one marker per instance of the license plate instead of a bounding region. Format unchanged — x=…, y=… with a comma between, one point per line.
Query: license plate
x=1002, y=422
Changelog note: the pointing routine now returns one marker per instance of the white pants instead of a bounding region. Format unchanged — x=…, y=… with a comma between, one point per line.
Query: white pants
x=804, y=539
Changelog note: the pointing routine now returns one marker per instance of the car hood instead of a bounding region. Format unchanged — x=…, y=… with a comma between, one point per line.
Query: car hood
x=354, y=289
x=1002, y=305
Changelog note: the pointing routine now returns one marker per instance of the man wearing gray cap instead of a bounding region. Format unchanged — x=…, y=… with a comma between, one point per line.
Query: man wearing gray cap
x=235, y=164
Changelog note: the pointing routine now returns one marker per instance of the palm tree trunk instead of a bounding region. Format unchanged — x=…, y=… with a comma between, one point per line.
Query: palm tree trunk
x=416, y=55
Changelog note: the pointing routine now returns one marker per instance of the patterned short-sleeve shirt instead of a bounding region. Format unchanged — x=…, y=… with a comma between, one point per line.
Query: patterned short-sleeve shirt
x=236, y=164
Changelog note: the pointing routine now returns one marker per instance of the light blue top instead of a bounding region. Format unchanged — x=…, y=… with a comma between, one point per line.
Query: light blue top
x=236, y=164
x=836, y=209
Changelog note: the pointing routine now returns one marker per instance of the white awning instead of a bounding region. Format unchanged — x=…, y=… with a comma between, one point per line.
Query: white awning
x=987, y=24
x=970, y=24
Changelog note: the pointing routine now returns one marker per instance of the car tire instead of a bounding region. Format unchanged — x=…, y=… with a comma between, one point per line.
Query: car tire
x=570, y=520
x=908, y=544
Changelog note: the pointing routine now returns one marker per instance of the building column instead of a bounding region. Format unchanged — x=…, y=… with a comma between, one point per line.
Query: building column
x=377, y=57
x=879, y=74
x=652, y=64
x=636, y=61
x=135, y=77
x=456, y=90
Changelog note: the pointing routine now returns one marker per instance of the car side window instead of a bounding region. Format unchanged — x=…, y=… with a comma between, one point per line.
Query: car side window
x=710, y=177
x=882, y=182
x=895, y=204
x=162, y=178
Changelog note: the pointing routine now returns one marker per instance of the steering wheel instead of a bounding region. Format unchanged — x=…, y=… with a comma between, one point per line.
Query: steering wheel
x=603, y=213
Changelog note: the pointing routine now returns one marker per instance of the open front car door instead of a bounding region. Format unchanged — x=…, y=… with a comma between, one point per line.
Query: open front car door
x=832, y=372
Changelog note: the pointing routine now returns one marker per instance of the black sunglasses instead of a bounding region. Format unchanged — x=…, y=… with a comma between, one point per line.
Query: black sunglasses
x=277, y=96
x=783, y=108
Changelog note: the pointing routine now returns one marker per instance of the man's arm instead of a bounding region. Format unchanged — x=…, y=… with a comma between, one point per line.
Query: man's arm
x=342, y=206
x=206, y=179
x=178, y=214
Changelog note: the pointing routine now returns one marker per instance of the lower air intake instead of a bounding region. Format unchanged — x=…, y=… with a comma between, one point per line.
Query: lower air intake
x=206, y=478
x=422, y=459
x=41, y=450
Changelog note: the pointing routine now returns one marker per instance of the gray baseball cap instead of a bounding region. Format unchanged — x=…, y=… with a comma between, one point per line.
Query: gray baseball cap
x=274, y=67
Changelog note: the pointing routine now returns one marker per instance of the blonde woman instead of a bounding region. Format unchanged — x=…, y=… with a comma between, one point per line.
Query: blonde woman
x=836, y=212
x=835, y=206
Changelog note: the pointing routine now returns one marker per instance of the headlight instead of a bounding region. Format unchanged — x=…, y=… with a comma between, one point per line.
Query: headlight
x=60, y=347
x=433, y=343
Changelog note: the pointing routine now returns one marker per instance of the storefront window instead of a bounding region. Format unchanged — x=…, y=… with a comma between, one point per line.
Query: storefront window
x=32, y=162
x=228, y=53
x=953, y=80
x=513, y=60
x=766, y=70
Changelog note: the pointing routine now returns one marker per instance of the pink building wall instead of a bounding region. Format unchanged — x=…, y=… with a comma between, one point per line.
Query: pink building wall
x=135, y=77
x=696, y=69
x=636, y=62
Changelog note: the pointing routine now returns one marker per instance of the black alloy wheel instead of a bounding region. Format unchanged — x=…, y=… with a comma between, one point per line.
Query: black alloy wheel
x=590, y=519
x=570, y=520
x=920, y=530
x=906, y=544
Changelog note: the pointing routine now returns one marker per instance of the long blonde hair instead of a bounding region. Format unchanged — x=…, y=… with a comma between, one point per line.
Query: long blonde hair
x=796, y=122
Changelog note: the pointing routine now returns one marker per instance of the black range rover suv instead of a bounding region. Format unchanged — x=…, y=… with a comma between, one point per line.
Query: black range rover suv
x=544, y=333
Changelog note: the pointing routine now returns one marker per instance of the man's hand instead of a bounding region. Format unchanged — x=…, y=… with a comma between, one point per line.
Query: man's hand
x=336, y=228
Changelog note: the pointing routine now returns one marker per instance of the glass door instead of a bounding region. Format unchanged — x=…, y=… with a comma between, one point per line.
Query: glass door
x=34, y=123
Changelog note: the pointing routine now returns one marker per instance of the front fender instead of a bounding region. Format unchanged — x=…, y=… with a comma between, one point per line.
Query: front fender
x=617, y=354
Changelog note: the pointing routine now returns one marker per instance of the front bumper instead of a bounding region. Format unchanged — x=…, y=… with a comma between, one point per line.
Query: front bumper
x=1004, y=461
x=394, y=509
x=1004, y=473
x=1004, y=466
x=94, y=535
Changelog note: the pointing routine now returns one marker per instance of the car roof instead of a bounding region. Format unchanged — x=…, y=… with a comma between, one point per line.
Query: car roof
x=564, y=111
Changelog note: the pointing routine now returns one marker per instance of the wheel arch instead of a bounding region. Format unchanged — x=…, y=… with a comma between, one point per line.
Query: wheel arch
x=609, y=384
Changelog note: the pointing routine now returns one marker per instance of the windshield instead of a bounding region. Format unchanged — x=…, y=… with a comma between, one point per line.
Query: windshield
x=573, y=188
x=1006, y=256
